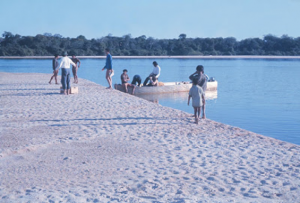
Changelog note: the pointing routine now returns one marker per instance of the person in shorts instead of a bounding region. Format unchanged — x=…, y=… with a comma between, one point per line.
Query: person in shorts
x=198, y=100
x=108, y=67
x=55, y=65
x=125, y=79
x=74, y=68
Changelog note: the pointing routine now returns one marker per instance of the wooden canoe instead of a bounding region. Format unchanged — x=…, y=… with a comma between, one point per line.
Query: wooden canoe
x=167, y=87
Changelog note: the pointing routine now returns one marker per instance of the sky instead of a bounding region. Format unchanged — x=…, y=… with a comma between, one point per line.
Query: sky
x=160, y=19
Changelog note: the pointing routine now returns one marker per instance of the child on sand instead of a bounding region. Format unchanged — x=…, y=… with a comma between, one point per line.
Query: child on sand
x=196, y=92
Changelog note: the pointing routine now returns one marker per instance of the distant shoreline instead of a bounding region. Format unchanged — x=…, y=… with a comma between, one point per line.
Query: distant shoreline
x=160, y=57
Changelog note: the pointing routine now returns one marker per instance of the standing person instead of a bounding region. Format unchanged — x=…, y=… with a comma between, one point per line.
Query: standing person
x=136, y=79
x=155, y=73
x=198, y=100
x=55, y=65
x=125, y=79
x=65, y=72
x=74, y=68
x=108, y=67
x=202, y=82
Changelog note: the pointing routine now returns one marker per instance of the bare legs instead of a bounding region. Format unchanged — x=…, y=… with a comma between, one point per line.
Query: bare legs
x=197, y=112
x=203, y=109
x=54, y=76
x=74, y=70
x=75, y=79
x=108, y=78
x=130, y=85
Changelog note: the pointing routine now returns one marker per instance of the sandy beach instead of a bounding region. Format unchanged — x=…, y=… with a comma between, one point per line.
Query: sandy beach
x=107, y=146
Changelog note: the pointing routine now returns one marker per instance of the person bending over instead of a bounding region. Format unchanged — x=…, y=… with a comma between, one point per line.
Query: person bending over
x=136, y=79
x=155, y=73
x=125, y=79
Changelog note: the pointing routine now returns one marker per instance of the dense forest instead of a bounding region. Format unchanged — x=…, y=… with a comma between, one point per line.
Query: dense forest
x=48, y=45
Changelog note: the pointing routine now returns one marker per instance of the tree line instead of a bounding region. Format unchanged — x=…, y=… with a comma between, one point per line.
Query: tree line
x=47, y=44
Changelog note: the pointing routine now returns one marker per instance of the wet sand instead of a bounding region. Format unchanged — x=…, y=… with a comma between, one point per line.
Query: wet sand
x=107, y=146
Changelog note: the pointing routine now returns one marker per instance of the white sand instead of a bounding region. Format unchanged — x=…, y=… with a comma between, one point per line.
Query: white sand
x=106, y=146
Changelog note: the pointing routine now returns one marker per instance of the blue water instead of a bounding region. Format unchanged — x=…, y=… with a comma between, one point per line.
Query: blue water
x=259, y=95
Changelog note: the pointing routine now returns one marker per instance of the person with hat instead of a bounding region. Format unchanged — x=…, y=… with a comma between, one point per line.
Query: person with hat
x=125, y=79
x=65, y=72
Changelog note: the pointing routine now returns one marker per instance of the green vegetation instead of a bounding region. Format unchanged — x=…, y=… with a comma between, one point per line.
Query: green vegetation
x=48, y=45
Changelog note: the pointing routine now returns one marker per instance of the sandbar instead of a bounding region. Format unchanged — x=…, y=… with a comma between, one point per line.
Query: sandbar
x=107, y=146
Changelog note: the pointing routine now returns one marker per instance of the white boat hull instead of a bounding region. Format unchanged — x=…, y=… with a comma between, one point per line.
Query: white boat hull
x=168, y=87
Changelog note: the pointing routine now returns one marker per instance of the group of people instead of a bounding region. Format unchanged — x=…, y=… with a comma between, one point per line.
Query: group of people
x=137, y=80
x=198, y=78
x=65, y=63
x=65, y=70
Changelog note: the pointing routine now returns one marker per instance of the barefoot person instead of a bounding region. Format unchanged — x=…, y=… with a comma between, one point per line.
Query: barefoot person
x=125, y=79
x=198, y=100
x=202, y=82
x=74, y=68
x=155, y=73
x=108, y=67
x=55, y=65
x=65, y=72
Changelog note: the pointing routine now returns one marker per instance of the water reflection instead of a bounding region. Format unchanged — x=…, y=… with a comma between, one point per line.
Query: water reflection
x=179, y=96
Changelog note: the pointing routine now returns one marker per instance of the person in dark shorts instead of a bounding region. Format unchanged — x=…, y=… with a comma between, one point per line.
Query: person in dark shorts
x=125, y=79
x=202, y=82
x=75, y=69
x=55, y=65
x=136, y=79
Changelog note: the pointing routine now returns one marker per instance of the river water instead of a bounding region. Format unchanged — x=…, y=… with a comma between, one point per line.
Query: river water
x=260, y=95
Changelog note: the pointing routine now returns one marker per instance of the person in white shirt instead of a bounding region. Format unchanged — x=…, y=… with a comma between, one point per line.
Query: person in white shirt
x=155, y=73
x=65, y=72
